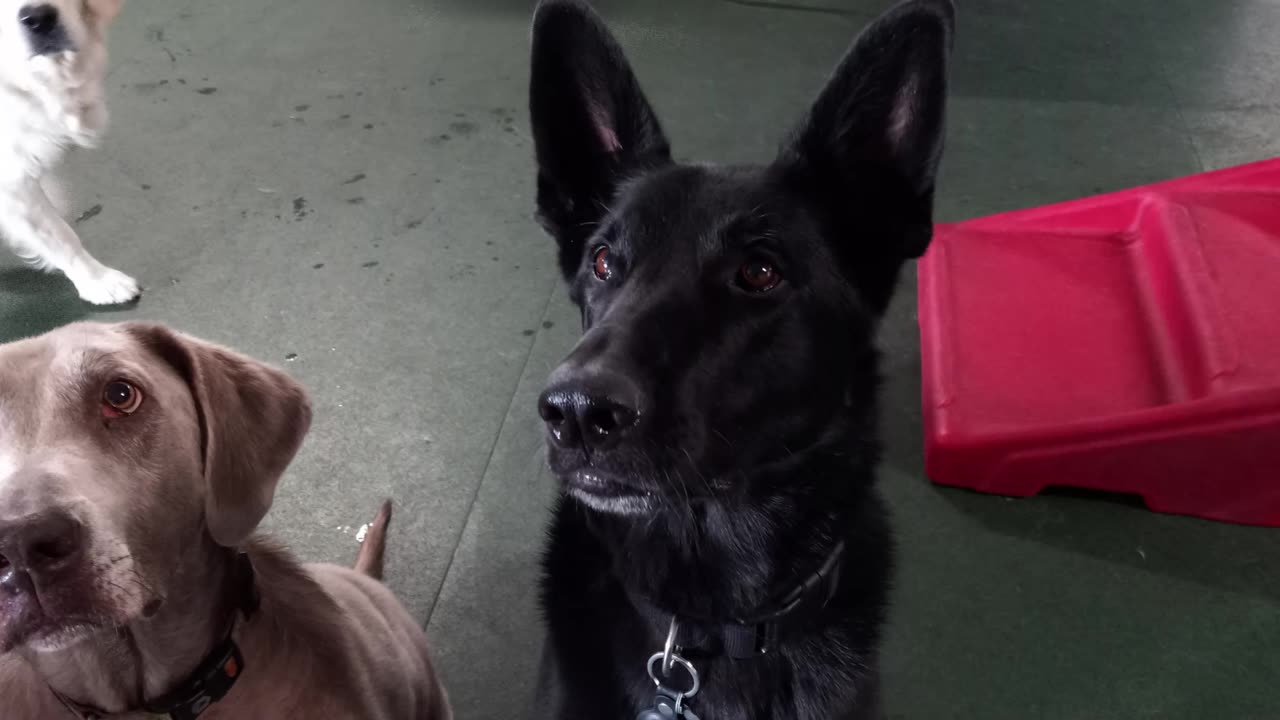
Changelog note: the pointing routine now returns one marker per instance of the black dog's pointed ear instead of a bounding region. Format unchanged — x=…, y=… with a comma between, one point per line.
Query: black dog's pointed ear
x=870, y=146
x=591, y=123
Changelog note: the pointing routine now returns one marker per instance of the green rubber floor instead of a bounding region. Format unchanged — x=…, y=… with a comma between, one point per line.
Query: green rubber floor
x=345, y=188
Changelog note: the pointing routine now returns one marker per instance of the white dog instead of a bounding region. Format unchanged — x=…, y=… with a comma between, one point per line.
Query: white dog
x=53, y=61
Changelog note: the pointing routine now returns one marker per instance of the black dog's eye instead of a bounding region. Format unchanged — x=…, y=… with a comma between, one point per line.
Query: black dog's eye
x=601, y=264
x=758, y=276
x=119, y=398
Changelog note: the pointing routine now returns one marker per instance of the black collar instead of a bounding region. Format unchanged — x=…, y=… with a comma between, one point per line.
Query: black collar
x=214, y=677
x=756, y=635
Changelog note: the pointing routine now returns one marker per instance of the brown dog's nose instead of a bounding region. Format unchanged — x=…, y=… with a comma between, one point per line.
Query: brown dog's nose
x=591, y=415
x=40, y=543
x=39, y=19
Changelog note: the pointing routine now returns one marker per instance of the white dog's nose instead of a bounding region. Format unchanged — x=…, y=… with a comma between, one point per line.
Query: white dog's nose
x=39, y=19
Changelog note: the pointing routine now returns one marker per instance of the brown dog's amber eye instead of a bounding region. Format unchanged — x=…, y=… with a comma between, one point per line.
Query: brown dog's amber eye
x=120, y=398
x=601, y=264
x=758, y=276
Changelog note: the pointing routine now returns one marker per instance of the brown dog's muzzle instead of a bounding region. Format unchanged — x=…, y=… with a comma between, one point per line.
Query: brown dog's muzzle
x=42, y=568
x=40, y=545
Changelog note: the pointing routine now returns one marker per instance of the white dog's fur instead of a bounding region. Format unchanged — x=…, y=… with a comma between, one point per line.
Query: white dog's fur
x=49, y=104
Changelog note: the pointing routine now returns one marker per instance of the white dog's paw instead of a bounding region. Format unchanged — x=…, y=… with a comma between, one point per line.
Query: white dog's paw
x=88, y=127
x=85, y=138
x=107, y=287
x=88, y=141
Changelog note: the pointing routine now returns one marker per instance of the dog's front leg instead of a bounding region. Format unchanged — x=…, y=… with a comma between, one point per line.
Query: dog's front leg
x=89, y=121
x=31, y=223
x=89, y=124
x=76, y=102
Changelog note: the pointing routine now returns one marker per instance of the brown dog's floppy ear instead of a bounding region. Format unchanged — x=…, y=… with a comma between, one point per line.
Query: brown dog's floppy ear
x=104, y=11
x=252, y=421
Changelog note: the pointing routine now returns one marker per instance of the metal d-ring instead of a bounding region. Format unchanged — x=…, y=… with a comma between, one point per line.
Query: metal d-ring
x=689, y=668
x=670, y=651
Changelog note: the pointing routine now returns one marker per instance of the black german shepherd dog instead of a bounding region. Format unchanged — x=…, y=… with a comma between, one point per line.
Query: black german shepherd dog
x=714, y=430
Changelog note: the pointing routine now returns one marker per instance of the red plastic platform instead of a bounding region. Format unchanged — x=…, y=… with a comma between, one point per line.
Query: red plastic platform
x=1127, y=342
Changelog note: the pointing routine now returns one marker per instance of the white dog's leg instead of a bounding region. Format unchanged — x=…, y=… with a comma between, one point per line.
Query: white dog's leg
x=88, y=125
x=32, y=223
x=57, y=193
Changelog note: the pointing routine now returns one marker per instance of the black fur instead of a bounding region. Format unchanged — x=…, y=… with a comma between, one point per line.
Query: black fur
x=739, y=435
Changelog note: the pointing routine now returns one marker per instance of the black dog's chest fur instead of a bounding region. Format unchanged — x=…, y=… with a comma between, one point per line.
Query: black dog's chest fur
x=600, y=641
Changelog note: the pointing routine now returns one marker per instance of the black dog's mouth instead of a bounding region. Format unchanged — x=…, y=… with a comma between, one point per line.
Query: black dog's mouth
x=608, y=493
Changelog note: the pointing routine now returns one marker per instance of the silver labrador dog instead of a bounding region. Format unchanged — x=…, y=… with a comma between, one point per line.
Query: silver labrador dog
x=135, y=465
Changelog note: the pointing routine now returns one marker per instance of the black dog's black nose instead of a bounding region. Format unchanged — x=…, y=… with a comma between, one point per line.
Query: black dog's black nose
x=580, y=415
x=40, y=543
x=39, y=19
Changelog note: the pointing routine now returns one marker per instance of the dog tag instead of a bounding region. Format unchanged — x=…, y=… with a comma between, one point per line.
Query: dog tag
x=663, y=709
x=666, y=707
